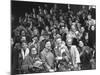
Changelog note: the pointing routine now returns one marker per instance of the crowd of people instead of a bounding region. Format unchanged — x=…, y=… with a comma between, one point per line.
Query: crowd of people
x=54, y=40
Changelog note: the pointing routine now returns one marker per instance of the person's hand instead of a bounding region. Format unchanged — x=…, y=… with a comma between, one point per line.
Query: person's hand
x=30, y=66
x=76, y=67
x=20, y=55
x=37, y=64
x=58, y=58
x=65, y=57
x=51, y=70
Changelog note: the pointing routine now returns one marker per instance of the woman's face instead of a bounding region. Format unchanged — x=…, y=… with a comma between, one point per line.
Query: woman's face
x=45, y=12
x=59, y=41
x=92, y=28
x=33, y=51
x=48, y=45
x=34, y=39
x=81, y=44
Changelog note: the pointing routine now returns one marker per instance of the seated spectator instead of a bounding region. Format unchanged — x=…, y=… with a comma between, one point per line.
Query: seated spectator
x=31, y=62
x=85, y=56
x=48, y=57
x=24, y=50
x=61, y=50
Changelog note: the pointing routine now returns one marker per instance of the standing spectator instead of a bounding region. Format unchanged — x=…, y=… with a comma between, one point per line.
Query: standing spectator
x=75, y=57
x=92, y=37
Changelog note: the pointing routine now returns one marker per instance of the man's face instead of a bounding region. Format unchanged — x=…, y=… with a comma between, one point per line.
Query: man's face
x=35, y=31
x=69, y=41
x=86, y=36
x=59, y=41
x=47, y=28
x=77, y=21
x=23, y=33
x=73, y=28
x=33, y=51
x=12, y=41
x=51, y=23
x=82, y=29
x=89, y=17
x=61, y=17
x=51, y=11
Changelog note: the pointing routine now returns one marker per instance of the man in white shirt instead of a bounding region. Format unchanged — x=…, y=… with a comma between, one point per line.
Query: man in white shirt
x=74, y=53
